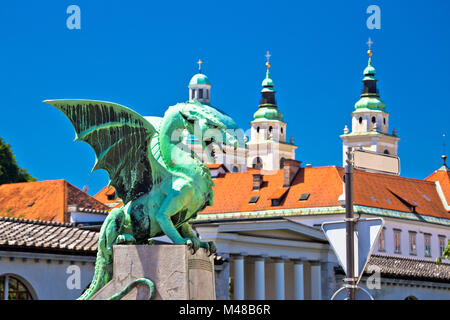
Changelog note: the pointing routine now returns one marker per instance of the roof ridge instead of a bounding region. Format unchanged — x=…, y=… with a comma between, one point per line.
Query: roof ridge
x=33, y=182
x=390, y=176
x=407, y=258
x=37, y=222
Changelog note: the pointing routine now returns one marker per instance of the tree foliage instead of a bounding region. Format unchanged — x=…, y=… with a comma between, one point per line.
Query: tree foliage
x=445, y=254
x=10, y=172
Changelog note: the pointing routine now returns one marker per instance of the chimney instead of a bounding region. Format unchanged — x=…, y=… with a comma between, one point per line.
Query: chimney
x=257, y=181
x=290, y=169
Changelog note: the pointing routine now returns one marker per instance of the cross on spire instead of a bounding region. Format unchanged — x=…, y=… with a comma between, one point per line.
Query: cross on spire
x=268, y=55
x=199, y=62
x=369, y=43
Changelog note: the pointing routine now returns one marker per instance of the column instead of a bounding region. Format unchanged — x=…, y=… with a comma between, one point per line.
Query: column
x=279, y=278
x=238, y=260
x=299, y=290
x=316, y=281
x=260, y=288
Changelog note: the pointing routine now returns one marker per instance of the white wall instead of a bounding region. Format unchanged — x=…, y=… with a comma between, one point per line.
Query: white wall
x=390, y=224
x=47, y=277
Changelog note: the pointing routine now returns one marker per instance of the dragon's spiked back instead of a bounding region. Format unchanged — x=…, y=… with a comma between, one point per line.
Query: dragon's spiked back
x=120, y=138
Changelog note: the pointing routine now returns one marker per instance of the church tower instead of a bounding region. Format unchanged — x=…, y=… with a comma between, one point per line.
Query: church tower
x=267, y=147
x=200, y=87
x=370, y=121
x=233, y=160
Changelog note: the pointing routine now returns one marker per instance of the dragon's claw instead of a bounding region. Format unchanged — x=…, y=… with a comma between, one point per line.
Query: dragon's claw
x=212, y=248
x=125, y=238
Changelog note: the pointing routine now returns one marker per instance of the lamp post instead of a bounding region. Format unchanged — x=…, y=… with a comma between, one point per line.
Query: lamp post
x=350, y=282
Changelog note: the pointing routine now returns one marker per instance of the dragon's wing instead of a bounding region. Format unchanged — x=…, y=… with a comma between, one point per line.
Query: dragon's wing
x=120, y=138
x=154, y=145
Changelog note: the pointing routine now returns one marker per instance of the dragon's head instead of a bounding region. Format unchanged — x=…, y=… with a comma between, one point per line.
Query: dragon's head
x=209, y=125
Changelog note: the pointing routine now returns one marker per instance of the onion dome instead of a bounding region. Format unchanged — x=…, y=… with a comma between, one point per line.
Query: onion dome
x=268, y=109
x=370, y=97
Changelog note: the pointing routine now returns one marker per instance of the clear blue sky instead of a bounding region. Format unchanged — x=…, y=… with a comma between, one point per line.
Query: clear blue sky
x=142, y=54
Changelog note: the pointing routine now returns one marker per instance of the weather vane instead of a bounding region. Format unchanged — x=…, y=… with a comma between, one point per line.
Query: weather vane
x=268, y=58
x=369, y=43
x=199, y=62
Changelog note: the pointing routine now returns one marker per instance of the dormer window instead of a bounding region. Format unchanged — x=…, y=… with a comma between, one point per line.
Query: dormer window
x=111, y=197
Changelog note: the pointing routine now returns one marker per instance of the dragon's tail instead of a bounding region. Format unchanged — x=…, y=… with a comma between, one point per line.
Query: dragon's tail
x=132, y=285
x=109, y=232
x=97, y=283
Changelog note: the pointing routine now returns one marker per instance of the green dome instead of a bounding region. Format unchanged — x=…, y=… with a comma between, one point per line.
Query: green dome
x=369, y=70
x=372, y=103
x=268, y=113
x=199, y=78
x=267, y=82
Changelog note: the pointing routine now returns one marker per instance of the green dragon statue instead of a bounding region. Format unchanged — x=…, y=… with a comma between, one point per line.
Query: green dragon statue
x=162, y=184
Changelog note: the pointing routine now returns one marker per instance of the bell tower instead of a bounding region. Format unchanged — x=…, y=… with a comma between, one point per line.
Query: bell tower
x=267, y=147
x=370, y=120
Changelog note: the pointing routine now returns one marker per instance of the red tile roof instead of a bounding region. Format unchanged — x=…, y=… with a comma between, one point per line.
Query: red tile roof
x=443, y=176
x=233, y=191
x=107, y=196
x=44, y=200
x=324, y=184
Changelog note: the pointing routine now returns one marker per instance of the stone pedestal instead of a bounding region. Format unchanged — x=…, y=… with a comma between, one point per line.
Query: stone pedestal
x=175, y=271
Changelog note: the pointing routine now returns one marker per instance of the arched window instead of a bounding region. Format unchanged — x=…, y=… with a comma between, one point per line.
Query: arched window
x=270, y=129
x=386, y=151
x=16, y=289
x=235, y=169
x=257, y=163
x=281, y=130
x=257, y=129
x=360, y=120
x=384, y=121
x=374, y=119
x=282, y=163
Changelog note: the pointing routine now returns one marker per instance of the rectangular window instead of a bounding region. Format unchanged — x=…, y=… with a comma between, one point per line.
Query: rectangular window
x=397, y=241
x=381, y=242
x=427, y=238
x=441, y=245
x=412, y=243
x=192, y=93
x=254, y=199
x=200, y=93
